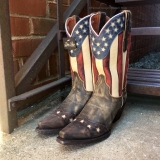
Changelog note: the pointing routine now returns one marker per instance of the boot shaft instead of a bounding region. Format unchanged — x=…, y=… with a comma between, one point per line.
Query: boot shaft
x=80, y=56
x=110, y=45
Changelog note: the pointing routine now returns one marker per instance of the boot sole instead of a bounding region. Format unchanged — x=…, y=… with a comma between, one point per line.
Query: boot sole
x=83, y=141
x=47, y=131
x=92, y=140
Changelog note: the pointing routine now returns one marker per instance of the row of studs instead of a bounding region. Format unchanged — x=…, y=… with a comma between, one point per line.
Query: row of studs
x=82, y=121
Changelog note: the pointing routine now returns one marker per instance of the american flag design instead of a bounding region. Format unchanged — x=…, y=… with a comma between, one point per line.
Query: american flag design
x=108, y=58
x=80, y=58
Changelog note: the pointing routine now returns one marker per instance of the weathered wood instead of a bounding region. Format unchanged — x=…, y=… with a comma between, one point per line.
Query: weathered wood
x=145, y=31
x=136, y=2
x=61, y=56
x=143, y=88
x=34, y=95
x=8, y=120
x=147, y=75
x=144, y=81
x=36, y=61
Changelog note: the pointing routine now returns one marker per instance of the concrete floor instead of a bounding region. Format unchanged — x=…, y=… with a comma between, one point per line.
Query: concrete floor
x=136, y=136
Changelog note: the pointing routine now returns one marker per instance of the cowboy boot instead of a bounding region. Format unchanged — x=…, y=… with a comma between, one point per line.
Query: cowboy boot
x=82, y=83
x=110, y=44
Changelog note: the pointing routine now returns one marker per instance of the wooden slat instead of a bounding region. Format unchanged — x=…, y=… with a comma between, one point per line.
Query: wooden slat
x=36, y=61
x=136, y=2
x=36, y=94
x=145, y=31
x=8, y=120
x=144, y=71
x=144, y=81
x=146, y=75
x=143, y=88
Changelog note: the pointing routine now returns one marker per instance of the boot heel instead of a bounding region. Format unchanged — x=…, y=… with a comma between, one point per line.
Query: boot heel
x=119, y=113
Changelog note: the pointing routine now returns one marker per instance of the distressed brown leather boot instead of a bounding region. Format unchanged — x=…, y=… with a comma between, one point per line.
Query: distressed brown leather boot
x=110, y=44
x=82, y=83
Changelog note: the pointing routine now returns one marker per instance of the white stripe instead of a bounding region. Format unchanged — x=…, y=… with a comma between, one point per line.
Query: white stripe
x=124, y=66
x=124, y=54
x=73, y=61
x=87, y=64
x=99, y=65
x=93, y=78
x=113, y=67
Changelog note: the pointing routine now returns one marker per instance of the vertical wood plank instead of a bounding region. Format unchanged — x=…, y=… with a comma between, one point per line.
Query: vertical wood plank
x=8, y=120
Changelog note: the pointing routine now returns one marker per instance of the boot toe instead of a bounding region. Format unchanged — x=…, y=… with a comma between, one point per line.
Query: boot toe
x=82, y=129
x=54, y=121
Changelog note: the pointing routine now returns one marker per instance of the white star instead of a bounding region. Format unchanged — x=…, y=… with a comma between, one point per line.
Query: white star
x=86, y=22
x=93, y=38
x=82, y=121
x=107, y=30
x=98, y=130
x=116, y=29
x=84, y=31
x=81, y=26
x=105, y=44
x=80, y=36
x=94, y=49
x=103, y=39
x=70, y=119
x=89, y=126
x=110, y=36
x=58, y=112
x=98, y=44
x=112, y=24
x=98, y=52
x=77, y=44
x=77, y=32
x=71, y=51
x=118, y=20
x=121, y=24
x=103, y=49
x=92, y=43
x=64, y=116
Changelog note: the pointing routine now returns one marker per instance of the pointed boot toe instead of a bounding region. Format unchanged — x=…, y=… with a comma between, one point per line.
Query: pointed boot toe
x=82, y=132
x=54, y=123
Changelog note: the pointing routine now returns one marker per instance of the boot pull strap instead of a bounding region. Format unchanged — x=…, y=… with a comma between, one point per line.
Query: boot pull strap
x=128, y=16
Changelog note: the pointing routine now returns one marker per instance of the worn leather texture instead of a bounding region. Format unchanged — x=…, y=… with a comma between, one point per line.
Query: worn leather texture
x=96, y=117
x=102, y=109
x=69, y=108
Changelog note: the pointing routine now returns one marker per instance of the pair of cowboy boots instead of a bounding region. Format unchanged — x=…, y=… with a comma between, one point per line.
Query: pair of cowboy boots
x=99, y=65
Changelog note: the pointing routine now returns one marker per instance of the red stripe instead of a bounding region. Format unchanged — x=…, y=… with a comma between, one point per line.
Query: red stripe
x=119, y=62
x=127, y=60
x=80, y=65
x=94, y=69
x=107, y=72
x=72, y=74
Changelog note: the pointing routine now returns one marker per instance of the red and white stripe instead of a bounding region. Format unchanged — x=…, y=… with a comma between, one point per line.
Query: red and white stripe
x=113, y=67
x=82, y=65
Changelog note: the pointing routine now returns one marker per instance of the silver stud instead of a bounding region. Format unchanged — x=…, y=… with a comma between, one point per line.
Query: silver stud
x=98, y=130
x=74, y=120
x=71, y=119
x=64, y=116
x=89, y=126
x=82, y=121
x=58, y=112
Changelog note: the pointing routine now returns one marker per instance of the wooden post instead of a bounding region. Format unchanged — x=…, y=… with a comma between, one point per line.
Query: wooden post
x=8, y=119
